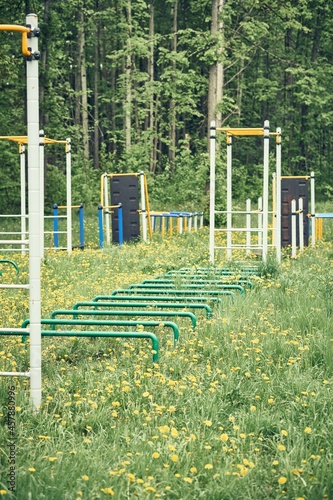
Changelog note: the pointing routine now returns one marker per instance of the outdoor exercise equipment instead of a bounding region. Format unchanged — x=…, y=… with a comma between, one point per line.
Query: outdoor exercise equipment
x=79, y=334
x=123, y=189
x=89, y=312
x=22, y=141
x=107, y=210
x=32, y=55
x=142, y=303
x=262, y=245
x=319, y=223
x=185, y=222
x=56, y=231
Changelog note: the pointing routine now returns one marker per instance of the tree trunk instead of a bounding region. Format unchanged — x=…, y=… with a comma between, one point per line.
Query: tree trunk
x=216, y=71
x=84, y=92
x=152, y=155
x=96, y=85
x=173, y=114
x=128, y=69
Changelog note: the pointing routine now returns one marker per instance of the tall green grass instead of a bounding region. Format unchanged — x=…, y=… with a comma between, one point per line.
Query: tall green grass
x=242, y=408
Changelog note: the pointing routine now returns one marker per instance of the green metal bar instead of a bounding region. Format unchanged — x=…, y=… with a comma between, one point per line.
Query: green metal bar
x=153, y=298
x=169, y=314
x=90, y=322
x=198, y=280
x=143, y=290
x=171, y=305
x=127, y=335
x=12, y=263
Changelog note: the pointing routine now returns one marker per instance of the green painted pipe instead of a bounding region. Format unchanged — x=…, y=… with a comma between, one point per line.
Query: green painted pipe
x=168, y=290
x=156, y=298
x=83, y=312
x=198, y=280
x=127, y=335
x=187, y=287
x=12, y=263
x=171, y=305
x=90, y=322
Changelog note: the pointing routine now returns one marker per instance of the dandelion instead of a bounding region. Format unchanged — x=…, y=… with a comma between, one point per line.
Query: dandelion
x=224, y=437
x=3, y=492
x=32, y=469
x=174, y=433
x=284, y=432
x=53, y=459
x=155, y=454
x=188, y=480
x=253, y=408
x=208, y=466
x=281, y=447
x=108, y=491
x=145, y=394
x=208, y=423
x=174, y=458
x=85, y=477
x=194, y=470
x=282, y=480
x=307, y=430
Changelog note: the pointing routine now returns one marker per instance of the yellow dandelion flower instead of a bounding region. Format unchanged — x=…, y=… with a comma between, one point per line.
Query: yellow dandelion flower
x=32, y=469
x=282, y=480
x=224, y=437
x=108, y=491
x=3, y=492
x=145, y=394
x=155, y=454
x=194, y=470
x=174, y=433
x=281, y=447
x=253, y=408
x=209, y=466
x=85, y=477
x=307, y=430
x=53, y=459
x=187, y=480
x=208, y=423
x=174, y=458
x=284, y=432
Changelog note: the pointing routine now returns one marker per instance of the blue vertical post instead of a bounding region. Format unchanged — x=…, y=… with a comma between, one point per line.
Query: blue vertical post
x=120, y=224
x=81, y=220
x=100, y=226
x=55, y=226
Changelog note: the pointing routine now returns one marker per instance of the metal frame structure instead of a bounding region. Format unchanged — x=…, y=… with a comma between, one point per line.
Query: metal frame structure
x=105, y=204
x=22, y=141
x=230, y=133
x=32, y=55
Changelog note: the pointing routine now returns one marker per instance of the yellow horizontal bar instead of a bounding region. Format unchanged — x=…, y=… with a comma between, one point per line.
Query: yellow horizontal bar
x=306, y=177
x=121, y=175
x=23, y=139
x=73, y=206
x=22, y=29
x=241, y=131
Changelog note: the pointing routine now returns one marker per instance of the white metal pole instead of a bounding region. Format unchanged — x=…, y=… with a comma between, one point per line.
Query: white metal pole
x=229, y=196
x=195, y=221
x=23, y=197
x=143, y=207
x=212, y=192
x=34, y=215
x=278, y=196
x=313, y=210
x=107, y=210
x=41, y=180
x=301, y=224
x=260, y=223
x=248, y=226
x=265, y=192
x=293, y=229
x=69, y=194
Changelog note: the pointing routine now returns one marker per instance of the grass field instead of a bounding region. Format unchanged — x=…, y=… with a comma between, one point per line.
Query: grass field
x=241, y=409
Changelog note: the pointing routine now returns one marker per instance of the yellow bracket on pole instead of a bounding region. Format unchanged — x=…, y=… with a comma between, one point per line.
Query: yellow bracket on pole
x=22, y=29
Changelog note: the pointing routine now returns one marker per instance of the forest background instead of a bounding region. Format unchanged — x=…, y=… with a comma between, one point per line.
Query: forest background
x=135, y=83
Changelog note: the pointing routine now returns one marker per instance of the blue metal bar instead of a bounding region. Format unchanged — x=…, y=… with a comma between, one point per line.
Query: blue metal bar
x=120, y=224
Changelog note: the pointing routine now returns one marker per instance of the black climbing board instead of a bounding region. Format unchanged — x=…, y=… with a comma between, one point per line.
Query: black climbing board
x=125, y=190
x=293, y=188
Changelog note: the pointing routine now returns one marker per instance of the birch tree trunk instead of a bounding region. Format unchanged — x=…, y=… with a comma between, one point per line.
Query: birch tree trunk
x=152, y=156
x=173, y=114
x=84, y=91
